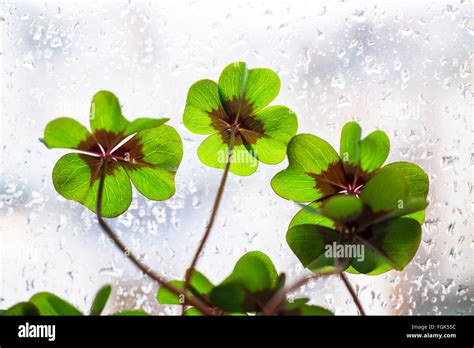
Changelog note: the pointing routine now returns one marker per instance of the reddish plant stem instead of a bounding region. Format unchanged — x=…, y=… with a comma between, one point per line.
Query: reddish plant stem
x=353, y=293
x=277, y=301
x=212, y=218
x=145, y=269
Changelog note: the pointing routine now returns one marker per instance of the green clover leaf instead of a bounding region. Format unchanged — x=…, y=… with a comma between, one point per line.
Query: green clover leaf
x=417, y=185
x=315, y=170
x=237, y=105
x=380, y=221
x=362, y=157
x=145, y=151
x=199, y=285
x=308, y=243
x=252, y=283
x=21, y=309
x=300, y=307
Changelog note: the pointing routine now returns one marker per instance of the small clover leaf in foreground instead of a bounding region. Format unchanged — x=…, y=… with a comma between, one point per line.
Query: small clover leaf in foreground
x=44, y=304
x=252, y=283
x=144, y=151
x=234, y=113
x=48, y=304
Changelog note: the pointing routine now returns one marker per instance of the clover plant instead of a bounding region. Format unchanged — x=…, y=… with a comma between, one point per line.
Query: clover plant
x=353, y=199
x=243, y=129
x=253, y=282
x=234, y=111
x=145, y=151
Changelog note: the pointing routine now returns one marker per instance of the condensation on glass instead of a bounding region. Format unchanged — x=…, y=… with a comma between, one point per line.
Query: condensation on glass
x=403, y=67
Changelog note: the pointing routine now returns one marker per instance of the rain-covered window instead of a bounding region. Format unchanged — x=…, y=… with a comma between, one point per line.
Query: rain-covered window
x=403, y=67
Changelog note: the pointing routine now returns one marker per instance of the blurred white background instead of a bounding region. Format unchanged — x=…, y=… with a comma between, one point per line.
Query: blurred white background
x=404, y=67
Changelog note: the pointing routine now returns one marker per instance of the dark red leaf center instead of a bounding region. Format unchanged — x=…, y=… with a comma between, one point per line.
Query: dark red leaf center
x=104, y=145
x=237, y=115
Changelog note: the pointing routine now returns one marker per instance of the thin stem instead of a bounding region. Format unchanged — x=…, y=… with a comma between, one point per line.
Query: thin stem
x=212, y=218
x=146, y=270
x=279, y=298
x=353, y=293
x=277, y=301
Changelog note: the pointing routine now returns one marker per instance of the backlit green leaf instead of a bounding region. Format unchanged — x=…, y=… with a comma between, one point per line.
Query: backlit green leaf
x=309, y=310
x=193, y=312
x=213, y=152
x=295, y=185
x=279, y=125
x=342, y=208
x=65, y=133
x=257, y=86
x=199, y=285
x=350, y=147
x=162, y=151
x=228, y=297
x=72, y=178
x=21, y=309
x=232, y=81
x=392, y=244
x=413, y=209
x=398, y=239
x=385, y=192
x=417, y=184
x=308, y=242
x=314, y=171
x=263, y=85
x=50, y=304
x=140, y=124
x=374, y=151
x=374, y=261
x=106, y=114
x=165, y=296
x=117, y=194
x=202, y=99
x=100, y=300
x=254, y=271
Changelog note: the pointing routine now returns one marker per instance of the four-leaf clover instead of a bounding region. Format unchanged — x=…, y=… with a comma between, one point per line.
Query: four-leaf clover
x=317, y=174
x=144, y=151
x=234, y=112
